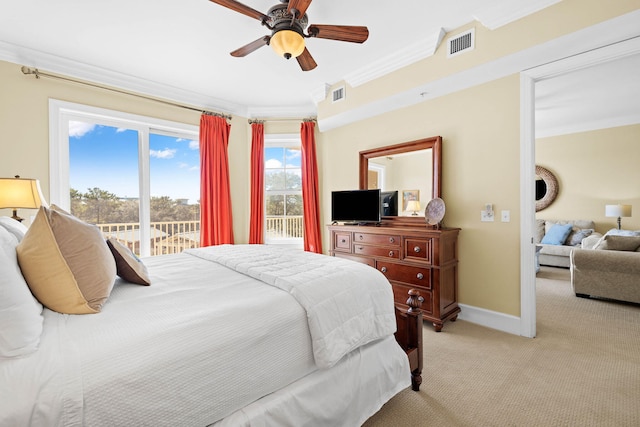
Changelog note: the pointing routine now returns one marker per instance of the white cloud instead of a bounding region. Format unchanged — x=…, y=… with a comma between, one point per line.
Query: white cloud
x=273, y=163
x=194, y=145
x=194, y=168
x=182, y=165
x=167, y=153
x=120, y=130
x=79, y=129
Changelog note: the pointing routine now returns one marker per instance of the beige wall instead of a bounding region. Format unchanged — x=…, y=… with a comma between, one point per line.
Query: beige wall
x=24, y=120
x=593, y=169
x=480, y=165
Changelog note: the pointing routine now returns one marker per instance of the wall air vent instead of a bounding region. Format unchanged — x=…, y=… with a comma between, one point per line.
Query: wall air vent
x=337, y=94
x=461, y=43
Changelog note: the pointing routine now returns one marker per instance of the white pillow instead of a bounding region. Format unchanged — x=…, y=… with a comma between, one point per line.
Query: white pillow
x=16, y=228
x=20, y=313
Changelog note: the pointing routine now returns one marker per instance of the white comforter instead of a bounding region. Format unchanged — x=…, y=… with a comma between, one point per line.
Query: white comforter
x=347, y=304
x=174, y=353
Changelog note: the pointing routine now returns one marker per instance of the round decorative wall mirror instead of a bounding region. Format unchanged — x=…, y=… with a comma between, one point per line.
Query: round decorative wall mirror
x=546, y=188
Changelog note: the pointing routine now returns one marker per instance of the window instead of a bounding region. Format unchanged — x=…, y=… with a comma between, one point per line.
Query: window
x=137, y=178
x=283, y=190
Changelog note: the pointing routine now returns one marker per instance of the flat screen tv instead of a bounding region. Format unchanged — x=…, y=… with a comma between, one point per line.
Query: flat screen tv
x=355, y=206
x=389, y=203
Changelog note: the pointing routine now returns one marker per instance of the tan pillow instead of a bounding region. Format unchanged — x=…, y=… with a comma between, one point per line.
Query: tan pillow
x=128, y=266
x=618, y=243
x=66, y=263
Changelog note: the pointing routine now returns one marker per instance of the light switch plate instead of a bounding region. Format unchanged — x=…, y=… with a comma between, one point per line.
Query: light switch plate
x=506, y=216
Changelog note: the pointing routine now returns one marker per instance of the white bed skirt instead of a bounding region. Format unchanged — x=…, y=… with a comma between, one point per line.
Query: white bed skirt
x=356, y=388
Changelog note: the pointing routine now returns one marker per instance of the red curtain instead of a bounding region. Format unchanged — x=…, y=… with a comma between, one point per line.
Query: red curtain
x=310, y=194
x=216, y=221
x=256, y=224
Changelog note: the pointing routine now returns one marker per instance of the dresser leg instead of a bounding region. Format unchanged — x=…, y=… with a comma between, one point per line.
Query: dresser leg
x=437, y=326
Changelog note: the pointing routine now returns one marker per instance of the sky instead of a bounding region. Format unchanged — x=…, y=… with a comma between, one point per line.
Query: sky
x=107, y=157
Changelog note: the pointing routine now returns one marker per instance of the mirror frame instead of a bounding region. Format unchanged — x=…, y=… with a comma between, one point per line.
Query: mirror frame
x=434, y=143
x=552, y=188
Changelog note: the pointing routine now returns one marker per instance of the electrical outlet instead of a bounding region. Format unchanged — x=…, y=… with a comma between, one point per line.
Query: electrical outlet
x=506, y=216
x=486, y=216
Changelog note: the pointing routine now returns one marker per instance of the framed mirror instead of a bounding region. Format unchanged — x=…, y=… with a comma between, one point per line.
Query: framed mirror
x=546, y=188
x=415, y=164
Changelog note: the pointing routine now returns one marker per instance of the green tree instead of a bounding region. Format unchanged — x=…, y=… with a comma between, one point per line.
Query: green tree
x=100, y=205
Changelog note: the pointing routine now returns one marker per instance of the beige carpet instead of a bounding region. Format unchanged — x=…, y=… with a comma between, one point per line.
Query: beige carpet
x=582, y=369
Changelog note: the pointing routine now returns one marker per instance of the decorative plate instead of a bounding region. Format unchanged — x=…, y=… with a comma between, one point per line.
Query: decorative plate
x=434, y=212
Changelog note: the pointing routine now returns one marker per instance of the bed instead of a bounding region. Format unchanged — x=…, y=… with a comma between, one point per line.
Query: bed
x=231, y=335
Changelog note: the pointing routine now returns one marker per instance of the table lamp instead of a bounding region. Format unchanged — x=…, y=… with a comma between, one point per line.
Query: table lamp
x=413, y=206
x=20, y=193
x=618, y=211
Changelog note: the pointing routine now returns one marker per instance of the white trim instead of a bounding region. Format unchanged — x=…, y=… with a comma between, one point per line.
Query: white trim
x=490, y=319
x=527, y=160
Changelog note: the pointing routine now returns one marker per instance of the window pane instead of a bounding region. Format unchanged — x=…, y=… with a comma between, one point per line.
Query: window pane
x=274, y=205
x=103, y=173
x=174, y=167
x=294, y=205
x=274, y=179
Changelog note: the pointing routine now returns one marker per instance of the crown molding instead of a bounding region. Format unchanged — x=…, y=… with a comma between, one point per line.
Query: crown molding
x=78, y=70
x=623, y=29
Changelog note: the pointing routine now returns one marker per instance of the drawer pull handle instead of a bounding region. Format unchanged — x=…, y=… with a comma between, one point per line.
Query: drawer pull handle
x=416, y=249
x=420, y=276
x=360, y=248
x=383, y=269
x=391, y=253
x=343, y=241
x=391, y=240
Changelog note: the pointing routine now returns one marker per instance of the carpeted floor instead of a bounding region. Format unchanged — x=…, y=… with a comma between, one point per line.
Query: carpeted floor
x=582, y=369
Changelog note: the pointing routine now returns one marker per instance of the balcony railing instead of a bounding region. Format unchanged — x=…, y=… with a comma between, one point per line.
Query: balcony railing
x=172, y=237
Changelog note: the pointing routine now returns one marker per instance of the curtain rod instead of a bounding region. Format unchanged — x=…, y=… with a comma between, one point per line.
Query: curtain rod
x=37, y=73
x=308, y=119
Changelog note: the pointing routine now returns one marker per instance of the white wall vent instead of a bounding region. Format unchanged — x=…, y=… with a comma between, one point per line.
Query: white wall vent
x=461, y=43
x=337, y=94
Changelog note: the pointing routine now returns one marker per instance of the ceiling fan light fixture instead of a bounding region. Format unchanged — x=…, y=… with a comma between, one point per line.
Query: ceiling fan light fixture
x=287, y=43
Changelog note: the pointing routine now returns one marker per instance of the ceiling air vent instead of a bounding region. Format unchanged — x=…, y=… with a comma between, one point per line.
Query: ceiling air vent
x=337, y=94
x=461, y=43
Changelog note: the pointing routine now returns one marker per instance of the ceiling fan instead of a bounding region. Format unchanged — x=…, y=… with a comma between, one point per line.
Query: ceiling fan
x=287, y=22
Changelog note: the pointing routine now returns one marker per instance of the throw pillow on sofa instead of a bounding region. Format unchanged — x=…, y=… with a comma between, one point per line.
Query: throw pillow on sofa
x=576, y=237
x=557, y=234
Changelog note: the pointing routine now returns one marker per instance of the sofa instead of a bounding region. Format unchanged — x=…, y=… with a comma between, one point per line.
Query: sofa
x=556, y=243
x=608, y=267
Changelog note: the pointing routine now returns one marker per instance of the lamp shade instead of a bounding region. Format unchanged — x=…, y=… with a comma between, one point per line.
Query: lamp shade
x=413, y=206
x=287, y=43
x=21, y=193
x=618, y=211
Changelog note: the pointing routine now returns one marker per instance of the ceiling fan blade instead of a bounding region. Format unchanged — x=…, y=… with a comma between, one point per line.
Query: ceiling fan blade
x=241, y=8
x=299, y=5
x=345, y=33
x=306, y=61
x=248, y=48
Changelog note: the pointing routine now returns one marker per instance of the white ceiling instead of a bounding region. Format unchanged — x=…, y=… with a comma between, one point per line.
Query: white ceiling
x=179, y=49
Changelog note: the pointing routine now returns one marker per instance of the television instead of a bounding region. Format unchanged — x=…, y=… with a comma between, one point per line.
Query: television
x=355, y=206
x=389, y=203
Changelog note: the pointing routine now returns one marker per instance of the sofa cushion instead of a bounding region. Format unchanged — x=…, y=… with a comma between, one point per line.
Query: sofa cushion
x=618, y=243
x=557, y=234
x=544, y=225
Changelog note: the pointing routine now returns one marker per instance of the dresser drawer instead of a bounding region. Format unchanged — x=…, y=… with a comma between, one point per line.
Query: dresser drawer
x=342, y=242
x=400, y=292
x=416, y=276
x=418, y=249
x=377, y=239
x=390, y=252
x=364, y=260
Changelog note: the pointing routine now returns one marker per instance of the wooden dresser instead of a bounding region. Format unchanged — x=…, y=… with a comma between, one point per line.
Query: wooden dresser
x=410, y=257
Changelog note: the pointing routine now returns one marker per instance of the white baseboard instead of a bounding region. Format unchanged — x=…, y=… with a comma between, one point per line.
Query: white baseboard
x=490, y=319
